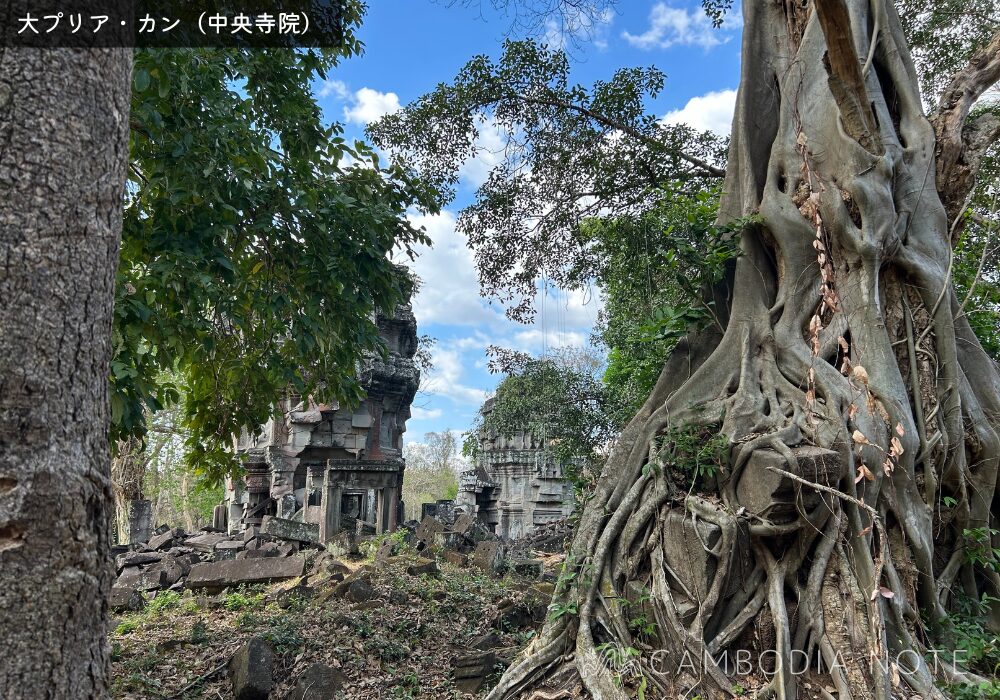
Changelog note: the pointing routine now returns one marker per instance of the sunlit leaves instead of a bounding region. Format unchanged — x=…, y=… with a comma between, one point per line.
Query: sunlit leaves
x=255, y=245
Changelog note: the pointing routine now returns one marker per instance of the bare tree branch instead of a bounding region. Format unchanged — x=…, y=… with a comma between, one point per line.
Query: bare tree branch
x=624, y=128
x=959, y=146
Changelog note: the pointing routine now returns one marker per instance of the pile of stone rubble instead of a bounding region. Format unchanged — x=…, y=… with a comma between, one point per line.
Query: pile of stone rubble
x=210, y=559
x=173, y=559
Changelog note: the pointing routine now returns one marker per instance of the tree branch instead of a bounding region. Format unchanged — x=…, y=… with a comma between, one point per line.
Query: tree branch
x=709, y=169
x=959, y=146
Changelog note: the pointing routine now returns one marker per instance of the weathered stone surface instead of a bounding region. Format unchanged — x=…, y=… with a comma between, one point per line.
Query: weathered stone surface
x=424, y=566
x=228, y=549
x=327, y=566
x=171, y=571
x=219, y=515
x=289, y=529
x=472, y=529
x=528, y=611
x=490, y=640
x=429, y=529
x=762, y=491
x=126, y=600
x=470, y=670
x=137, y=559
x=318, y=682
x=205, y=542
x=288, y=549
x=486, y=556
x=517, y=485
x=143, y=580
x=456, y=558
x=385, y=552
x=526, y=567
x=250, y=670
x=162, y=541
x=237, y=571
x=685, y=551
x=356, y=589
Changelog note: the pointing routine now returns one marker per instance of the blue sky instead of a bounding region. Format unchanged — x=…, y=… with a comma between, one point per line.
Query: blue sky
x=410, y=47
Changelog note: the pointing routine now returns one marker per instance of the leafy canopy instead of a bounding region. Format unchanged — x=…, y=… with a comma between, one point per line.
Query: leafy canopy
x=655, y=272
x=256, y=242
x=568, y=153
x=558, y=398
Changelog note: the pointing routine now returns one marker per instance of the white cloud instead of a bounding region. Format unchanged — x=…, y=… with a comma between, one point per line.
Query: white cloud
x=578, y=25
x=672, y=26
x=445, y=379
x=710, y=112
x=450, y=290
x=537, y=340
x=417, y=413
x=489, y=145
x=369, y=105
x=337, y=88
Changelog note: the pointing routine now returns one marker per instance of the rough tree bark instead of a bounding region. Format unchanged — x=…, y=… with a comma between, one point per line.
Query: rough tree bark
x=63, y=129
x=845, y=334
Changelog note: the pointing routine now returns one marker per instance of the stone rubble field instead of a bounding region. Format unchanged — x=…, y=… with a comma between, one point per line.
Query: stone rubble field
x=433, y=611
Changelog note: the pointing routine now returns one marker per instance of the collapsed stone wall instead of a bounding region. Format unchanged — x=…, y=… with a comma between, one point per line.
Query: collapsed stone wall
x=328, y=464
x=517, y=484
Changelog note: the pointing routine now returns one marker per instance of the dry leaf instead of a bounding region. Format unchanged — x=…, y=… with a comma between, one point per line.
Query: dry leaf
x=861, y=374
x=897, y=446
x=899, y=430
x=885, y=592
x=859, y=438
x=844, y=347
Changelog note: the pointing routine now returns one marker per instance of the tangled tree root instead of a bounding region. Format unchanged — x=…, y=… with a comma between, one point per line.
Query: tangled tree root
x=844, y=334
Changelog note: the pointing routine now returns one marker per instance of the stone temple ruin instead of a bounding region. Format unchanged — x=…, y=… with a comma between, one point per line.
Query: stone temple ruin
x=517, y=485
x=331, y=467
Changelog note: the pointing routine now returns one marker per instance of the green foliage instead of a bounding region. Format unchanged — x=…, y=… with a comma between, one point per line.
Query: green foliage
x=974, y=271
x=180, y=498
x=977, y=648
x=943, y=35
x=199, y=632
x=244, y=598
x=255, y=242
x=558, y=398
x=571, y=153
x=558, y=609
x=695, y=453
x=164, y=600
x=981, y=691
x=624, y=664
x=370, y=547
x=432, y=468
x=654, y=272
x=127, y=626
x=641, y=626
x=979, y=549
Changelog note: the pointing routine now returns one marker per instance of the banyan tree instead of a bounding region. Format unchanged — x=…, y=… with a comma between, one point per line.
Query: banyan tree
x=859, y=412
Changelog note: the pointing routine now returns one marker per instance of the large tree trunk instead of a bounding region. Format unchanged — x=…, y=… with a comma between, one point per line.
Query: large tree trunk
x=845, y=341
x=64, y=130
